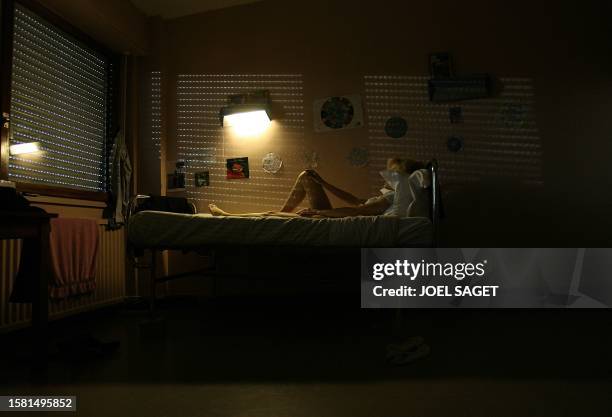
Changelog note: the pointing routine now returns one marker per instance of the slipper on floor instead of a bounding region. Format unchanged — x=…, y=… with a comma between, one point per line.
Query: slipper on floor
x=403, y=358
x=406, y=345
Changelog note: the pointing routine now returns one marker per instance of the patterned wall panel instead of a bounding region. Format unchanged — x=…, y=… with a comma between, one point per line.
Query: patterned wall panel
x=205, y=146
x=500, y=134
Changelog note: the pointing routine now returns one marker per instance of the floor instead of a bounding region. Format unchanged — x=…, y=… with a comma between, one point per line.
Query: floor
x=314, y=355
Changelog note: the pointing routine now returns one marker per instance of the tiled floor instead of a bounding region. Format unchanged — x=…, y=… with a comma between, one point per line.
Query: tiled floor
x=314, y=355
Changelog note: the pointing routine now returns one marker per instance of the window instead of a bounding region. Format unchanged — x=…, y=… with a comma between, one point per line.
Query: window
x=61, y=93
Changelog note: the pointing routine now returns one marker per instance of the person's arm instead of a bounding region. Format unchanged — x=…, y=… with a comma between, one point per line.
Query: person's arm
x=341, y=194
x=374, y=209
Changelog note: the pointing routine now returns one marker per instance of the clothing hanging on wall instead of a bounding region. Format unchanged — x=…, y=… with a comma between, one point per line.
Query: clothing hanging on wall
x=120, y=177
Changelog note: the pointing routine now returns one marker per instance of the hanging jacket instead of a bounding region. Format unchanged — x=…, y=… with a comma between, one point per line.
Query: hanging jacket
x=120, y=176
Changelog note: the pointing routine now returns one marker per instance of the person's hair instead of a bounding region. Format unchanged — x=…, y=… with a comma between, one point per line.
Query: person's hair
x=404, y=165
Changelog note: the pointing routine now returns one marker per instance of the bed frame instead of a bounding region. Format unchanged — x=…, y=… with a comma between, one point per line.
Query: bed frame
x=435, y=211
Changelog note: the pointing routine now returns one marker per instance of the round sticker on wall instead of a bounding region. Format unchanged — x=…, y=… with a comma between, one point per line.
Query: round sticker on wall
x=272, y=163
x=396, y=127
x=454, y=144
x=358, y=157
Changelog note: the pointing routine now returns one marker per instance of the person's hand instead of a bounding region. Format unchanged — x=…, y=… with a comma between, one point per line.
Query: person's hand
x=315, y=176
x=308, y=212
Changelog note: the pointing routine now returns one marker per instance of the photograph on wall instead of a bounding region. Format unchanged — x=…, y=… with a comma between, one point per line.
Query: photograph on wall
x=237, y=168
x=202, y=179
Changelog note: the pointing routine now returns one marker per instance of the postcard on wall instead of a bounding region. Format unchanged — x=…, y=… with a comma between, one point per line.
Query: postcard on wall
x=440, y=65
x=202, y=179
x=237, y=168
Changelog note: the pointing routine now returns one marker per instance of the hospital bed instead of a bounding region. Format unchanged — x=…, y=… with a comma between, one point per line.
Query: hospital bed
x=177, y=226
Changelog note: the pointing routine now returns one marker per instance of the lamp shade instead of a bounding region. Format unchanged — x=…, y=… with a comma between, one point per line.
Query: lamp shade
x=247, y=114
x=24, y=148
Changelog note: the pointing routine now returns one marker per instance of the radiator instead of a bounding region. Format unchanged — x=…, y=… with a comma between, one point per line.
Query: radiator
x=110, y=280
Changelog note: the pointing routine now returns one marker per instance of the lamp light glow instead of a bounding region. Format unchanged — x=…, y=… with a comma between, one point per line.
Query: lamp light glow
x=248, y=123
x=23, y=148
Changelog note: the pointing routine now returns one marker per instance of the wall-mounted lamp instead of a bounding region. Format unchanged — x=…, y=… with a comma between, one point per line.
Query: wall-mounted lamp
x=247, y=114
x=21, y=148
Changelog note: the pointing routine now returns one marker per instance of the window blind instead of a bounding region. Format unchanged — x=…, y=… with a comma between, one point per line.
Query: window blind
x=59, y=99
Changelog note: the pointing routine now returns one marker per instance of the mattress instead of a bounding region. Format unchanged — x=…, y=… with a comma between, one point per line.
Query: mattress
x=154, y=229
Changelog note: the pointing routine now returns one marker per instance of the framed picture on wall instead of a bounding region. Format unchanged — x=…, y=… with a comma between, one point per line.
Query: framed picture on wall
x=202, y=179
x=237, y=168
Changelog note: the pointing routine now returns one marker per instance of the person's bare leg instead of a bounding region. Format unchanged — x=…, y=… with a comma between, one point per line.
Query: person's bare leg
x=216, y=211
x=296, y=195
x=306, y=186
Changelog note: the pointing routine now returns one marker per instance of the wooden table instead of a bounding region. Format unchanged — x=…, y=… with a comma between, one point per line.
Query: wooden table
x=34, y=226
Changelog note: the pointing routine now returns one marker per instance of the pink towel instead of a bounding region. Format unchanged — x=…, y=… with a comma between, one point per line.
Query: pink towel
x=74, y=252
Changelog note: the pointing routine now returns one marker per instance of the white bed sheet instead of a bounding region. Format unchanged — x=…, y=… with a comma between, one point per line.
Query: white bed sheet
x=153, y=229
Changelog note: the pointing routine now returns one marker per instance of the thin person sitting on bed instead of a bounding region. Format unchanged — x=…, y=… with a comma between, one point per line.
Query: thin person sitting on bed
x=310, y=185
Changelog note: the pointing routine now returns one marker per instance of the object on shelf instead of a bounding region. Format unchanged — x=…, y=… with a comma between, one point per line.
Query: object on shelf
x=460, y=88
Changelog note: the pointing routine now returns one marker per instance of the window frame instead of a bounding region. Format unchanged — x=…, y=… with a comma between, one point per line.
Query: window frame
x=6, y=65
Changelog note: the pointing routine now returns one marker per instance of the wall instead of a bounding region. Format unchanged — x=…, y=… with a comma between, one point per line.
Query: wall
x=563, y=51
x=117, y=24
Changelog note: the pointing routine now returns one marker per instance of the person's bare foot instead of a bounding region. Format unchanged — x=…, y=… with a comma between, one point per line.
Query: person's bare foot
x=216, y=211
